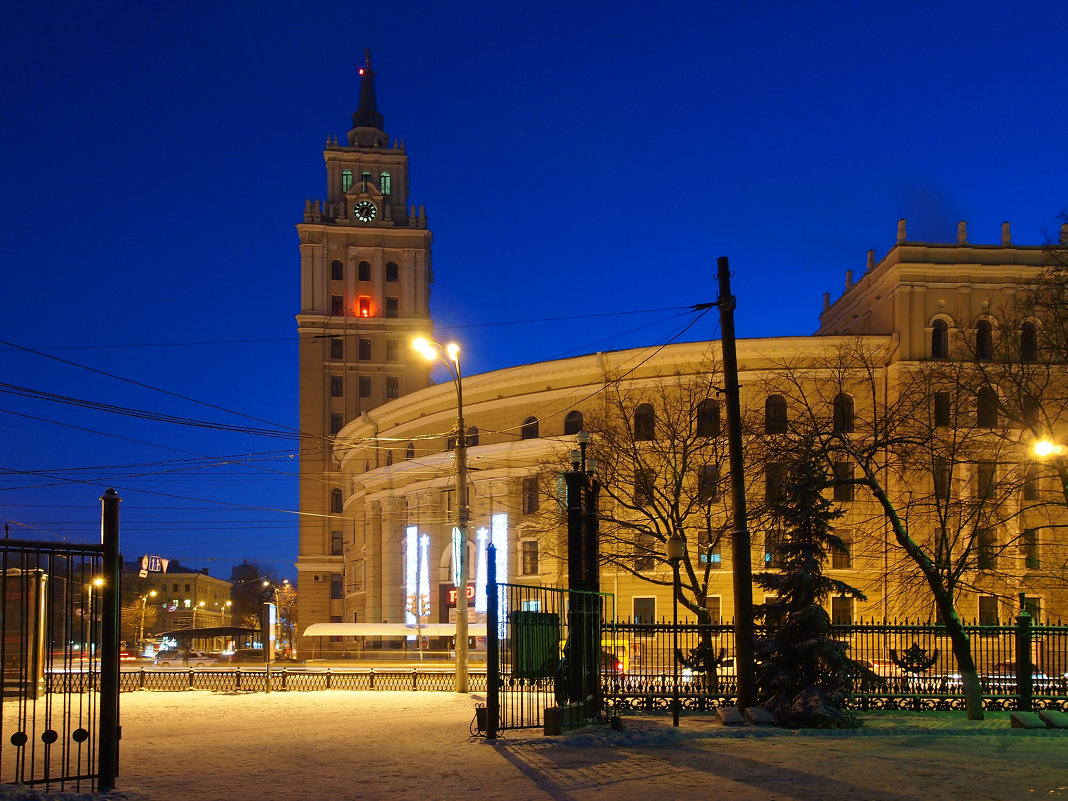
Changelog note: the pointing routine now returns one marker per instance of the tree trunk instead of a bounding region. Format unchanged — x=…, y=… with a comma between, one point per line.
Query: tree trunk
x=962, y=652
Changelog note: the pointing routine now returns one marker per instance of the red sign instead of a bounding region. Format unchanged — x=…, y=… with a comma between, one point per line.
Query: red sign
x=470, y=594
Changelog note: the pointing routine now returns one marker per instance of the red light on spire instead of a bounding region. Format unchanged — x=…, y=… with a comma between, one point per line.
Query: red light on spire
x=361, y=70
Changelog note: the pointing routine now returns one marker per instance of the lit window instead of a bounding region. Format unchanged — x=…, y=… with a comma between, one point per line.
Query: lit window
x=386, y=183
x=392, y=272
x=346, y=180
x=363, y=306
x=529, y=557
x=365, y=176
x=773, y=538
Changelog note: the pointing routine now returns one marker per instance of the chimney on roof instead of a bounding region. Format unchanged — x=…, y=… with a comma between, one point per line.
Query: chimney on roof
x=826, y=300
x=871, y=260
x=1006, y=235
x=901, y=230
x=849, y=280
x=962, y=233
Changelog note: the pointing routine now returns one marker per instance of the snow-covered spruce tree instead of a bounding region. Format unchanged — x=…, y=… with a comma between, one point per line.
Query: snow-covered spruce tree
x=803, y=675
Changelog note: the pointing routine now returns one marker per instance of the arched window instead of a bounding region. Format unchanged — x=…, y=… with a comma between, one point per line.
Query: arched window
x=644, y=422
x=708, y=418
x=530, y=428
x=472, y=437
x=346, y=180
x=384, y=180
x=335, y=501
x=986, y=408
x=392, y=271
x=984, y=340
x=364, y=271
x=843, y=414
x=1028, y=342
x=337, y=270
x=409, y=452
x=775, y=415
x=573, y=422
x=939, y=340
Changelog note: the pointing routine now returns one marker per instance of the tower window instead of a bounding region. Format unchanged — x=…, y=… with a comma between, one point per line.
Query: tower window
x=392, y=307
x=337, y=305
x=939, y=340
x=363, y=306
x=337, y=348
x=346, y=180
x=365, y=176
x=384, y=179
x=573, y=422
x=337, y=270
x=365, y=349
x=392, y=272
x=392, y=387
x=365, y=271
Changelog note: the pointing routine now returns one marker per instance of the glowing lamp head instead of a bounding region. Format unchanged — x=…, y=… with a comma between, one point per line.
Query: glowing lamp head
x=453, y=350
x=362, y=70
x=422, y=347
x=1044, y=448
x=98, y=582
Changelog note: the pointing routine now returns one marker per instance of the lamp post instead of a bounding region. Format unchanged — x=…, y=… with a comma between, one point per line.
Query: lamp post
x=449, y=356
x=195, y=608
x=141, y=628
x=675, y=546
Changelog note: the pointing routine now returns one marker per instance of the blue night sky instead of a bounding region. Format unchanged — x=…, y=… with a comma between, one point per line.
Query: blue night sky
x=587, y=161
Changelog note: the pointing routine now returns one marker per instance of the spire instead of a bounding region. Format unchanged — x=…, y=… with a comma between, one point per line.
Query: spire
x=368, y=126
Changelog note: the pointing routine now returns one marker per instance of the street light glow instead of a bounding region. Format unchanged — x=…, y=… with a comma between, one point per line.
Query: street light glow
x=1044, y=448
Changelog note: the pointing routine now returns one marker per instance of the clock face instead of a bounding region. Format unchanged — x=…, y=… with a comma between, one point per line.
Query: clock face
x=364, y=211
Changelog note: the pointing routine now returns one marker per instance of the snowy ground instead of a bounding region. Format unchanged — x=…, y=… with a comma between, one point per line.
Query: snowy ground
x=202, y=746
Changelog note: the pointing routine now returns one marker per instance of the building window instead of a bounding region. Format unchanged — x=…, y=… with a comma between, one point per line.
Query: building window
x=984, y=480
x=337, y=386
x=385, y=183
x=336, y=502
x=643, y=486
x=708, y=483
x=644, y=610
x=842, y=558
x=711, y=556
x=1029, y=545
x=336, y=589
x=841, y=610
x=843, y=477
x=572, y=422
x=392, y=350
x=389, y=458
x=529, y=429
x=364, y=271
x=337, y=306
x=409, y=452
x=365, y=176
x=644, y=422
x=392, y=387
x=986, y=408
x=365, y=349
x=644, y=552
x=363, y=306
x=984, y=340
x=1030, y=483
x=392, y=272
x=714, y=606
x=939, y=340
x=774, y=482
x=472, y=436
x=775, y=415
x=346, y=180
x=529, y=557
x=986, y=549
x=1030, y=408
x=336, y=540
x=1028, y=342
x=708, y=418
x=530, y=495
x=988, y=610
x=337, y=422
x=941, y=479
x=335, y=637
x=942, y=410
x=337, y=348
x=1033, y=606
x=365, y=386
x=843, y=414
x=392, y=307
x=773, y=538
x=337, y=270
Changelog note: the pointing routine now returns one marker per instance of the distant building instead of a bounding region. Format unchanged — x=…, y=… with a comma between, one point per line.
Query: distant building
x=185, y=598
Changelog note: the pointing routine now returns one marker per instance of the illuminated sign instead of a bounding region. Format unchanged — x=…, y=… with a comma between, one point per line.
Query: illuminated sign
x=453, y=591
x=416, y=575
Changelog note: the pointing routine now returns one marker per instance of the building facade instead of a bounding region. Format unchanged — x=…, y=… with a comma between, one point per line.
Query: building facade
x=365, y=293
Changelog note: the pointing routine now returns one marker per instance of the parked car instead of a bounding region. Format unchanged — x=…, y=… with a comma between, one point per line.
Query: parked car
x=185, y=659
x=254, y=656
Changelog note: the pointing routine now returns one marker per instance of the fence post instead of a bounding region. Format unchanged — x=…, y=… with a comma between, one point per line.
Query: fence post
x=493, y=665
x=108, y=752
x=1024, y=685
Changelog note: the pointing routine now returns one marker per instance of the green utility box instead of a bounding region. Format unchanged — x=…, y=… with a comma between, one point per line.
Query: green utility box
x=535, y=644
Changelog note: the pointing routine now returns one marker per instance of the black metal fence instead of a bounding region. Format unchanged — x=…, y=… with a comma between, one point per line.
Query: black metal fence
x=910, y=665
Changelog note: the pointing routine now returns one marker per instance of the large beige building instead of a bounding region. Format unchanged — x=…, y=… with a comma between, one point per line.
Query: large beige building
x=380, y=506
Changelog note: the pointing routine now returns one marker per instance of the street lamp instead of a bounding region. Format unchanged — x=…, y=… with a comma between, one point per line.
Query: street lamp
x=141, y=629
x=195, y=608
x=675, y=547
x=449, y=356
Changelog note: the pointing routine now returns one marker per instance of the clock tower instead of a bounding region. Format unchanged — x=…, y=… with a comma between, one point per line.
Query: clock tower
x=365, y=280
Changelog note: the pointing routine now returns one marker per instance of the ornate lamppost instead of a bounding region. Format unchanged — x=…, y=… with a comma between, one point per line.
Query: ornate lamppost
x=675, y=547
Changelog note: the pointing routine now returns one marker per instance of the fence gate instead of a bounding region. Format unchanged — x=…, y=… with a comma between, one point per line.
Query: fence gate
x=59, y=686
x=538, y=662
